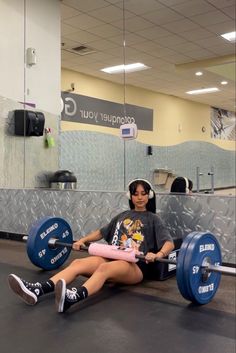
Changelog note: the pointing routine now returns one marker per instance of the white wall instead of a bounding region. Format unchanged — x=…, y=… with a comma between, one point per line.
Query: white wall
x=12, y=49
x=36, y=24
x=26, y=162
x=43, y=80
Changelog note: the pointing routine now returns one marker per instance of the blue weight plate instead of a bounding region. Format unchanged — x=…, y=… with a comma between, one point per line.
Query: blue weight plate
x=38, y=250
x=181, y=282
x=202, y=248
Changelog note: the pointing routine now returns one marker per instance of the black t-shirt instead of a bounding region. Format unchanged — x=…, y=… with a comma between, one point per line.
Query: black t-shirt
x=141, y=230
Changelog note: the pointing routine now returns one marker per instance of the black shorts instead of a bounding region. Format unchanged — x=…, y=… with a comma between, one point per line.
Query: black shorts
x=148, y=270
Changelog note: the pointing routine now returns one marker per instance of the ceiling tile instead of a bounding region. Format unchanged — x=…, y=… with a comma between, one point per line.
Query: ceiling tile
x=82, y=36
x=137, y=24
x=186, y=47
x=103, y=44
x=66, y=29
x=221, y=28
x=108, y=14
x=162, y=16
x=106, y=31
x=212, y=42
x=67, y=12
x=213, y=17
x=200, y=54
x=85, y=6
x=196, y=34
x=170, y=41
x=172, y=2
x=153, y=32
x=222, y=3
x=180, y=26
x=193, y=7
x=140, y=7
x=230, y=11
x=83, y=21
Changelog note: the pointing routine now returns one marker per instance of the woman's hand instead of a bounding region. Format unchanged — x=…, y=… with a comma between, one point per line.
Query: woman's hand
x=151, y=257
x=77, y=245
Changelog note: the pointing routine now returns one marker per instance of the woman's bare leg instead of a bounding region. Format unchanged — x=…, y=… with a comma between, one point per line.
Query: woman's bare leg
x=85, y=267
x=118, y=271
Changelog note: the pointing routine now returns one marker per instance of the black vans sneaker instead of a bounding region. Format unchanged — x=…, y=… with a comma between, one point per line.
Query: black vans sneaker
x=28, y=292
x=65, y=297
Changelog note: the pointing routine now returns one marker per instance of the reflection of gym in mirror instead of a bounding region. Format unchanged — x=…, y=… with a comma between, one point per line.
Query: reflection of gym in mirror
x=109, y=78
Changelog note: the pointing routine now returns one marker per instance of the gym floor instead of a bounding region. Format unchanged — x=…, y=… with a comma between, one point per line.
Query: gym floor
x=150, y=317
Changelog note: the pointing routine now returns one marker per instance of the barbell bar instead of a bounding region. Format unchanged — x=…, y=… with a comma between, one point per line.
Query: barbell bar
x=108, y=251
x=230, y=271
x=198, y=266
x=53, y=242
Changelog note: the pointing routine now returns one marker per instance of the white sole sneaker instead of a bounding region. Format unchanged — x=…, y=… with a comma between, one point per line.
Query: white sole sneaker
x=60, y=292
x=18, y=287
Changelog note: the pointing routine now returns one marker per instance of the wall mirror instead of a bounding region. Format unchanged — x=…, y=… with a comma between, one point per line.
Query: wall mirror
x=175, y=41
x=181, y=45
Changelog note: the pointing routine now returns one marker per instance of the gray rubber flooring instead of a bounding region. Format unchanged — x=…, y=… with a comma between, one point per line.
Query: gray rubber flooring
x=139, y=319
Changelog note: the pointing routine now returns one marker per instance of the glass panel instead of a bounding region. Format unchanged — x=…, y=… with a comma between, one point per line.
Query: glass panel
x=176, y=135
x=42, y=91
x=93, y=101
x=12, y=92
x=175, y=40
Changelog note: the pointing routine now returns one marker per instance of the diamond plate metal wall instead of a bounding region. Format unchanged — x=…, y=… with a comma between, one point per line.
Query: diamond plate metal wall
x=86, y=211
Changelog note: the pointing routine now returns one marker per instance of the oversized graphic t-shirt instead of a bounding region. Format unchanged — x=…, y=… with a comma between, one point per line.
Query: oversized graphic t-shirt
x=142, y=231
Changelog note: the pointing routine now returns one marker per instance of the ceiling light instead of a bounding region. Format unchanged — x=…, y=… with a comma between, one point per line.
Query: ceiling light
x=127, y=68
x=203, y=90
x=224, y=82
x=198, y=73
x=231, y=36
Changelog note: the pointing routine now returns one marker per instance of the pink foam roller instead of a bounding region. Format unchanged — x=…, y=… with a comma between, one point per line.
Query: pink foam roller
x=112, y=252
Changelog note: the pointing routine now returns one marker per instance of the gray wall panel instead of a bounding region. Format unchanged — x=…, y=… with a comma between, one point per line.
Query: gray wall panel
x=98, y=161
x=86, y=211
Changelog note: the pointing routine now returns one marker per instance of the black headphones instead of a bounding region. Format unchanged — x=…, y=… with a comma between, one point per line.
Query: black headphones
x=186, y=185
x=150, y=194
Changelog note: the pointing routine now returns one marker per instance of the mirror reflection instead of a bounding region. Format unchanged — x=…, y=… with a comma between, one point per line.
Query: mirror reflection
x=64, y=76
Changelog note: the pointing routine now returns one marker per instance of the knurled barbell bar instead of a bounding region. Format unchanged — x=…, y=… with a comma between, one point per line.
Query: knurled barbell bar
x=198, y=267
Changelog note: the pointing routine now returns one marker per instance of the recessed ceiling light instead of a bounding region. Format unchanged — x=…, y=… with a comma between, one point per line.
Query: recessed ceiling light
x=198, y=73
x=203, y=90
x=230, y=36
x=127, y=68
x=224, y=82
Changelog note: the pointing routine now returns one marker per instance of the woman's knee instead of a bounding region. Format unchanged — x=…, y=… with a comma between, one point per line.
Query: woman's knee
x=103, y=267
x=120, y=271
x=106, y=270
x=109, y=270
x=93, y=261
x=75, y=263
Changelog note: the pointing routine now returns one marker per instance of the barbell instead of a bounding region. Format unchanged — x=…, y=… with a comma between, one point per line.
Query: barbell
x=198, y=266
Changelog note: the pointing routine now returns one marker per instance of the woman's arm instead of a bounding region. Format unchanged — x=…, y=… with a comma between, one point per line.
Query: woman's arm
x=163, y=252
x=93, y=236
x=166, y=249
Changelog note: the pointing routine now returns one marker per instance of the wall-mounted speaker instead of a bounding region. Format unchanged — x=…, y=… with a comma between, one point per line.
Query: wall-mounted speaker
x=29, y=123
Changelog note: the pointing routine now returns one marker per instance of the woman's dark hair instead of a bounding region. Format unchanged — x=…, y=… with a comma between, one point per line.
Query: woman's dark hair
x=151, y=205
x=179, y=185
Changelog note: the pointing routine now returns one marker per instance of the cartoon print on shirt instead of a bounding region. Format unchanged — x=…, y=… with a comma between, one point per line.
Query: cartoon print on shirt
x=128, y=234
